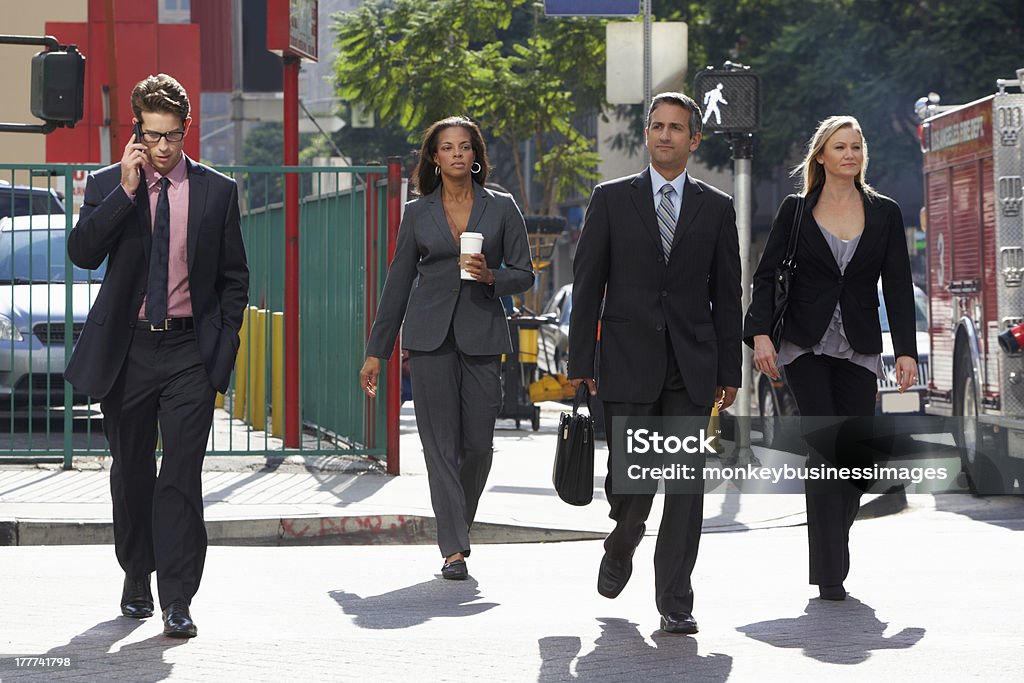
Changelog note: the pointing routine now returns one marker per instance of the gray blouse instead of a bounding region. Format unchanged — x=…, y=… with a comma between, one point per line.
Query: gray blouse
x=833, y=342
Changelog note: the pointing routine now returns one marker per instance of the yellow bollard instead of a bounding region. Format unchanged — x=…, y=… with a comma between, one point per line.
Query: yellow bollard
x=219, y=401
x=242, y=367
x=258, y=362
x=277, y=375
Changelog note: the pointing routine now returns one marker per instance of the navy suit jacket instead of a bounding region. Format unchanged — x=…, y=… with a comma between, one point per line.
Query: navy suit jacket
x=113, y=226
x=424, y=287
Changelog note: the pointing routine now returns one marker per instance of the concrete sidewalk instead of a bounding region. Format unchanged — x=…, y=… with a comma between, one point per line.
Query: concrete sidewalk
x=321, y=500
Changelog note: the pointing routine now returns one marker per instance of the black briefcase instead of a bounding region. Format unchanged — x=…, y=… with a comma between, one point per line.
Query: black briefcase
x=573, y=474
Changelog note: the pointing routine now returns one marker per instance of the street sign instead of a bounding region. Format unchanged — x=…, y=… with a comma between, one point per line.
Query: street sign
x=730, y=100
x=624, y=66
x=592, y=8
x=330, y=124
x=292, y=28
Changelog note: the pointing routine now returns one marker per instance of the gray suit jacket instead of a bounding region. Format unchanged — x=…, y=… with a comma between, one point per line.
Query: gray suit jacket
x=423, y=279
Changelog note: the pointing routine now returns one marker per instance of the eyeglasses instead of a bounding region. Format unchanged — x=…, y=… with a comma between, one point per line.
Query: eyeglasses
x=171, y=135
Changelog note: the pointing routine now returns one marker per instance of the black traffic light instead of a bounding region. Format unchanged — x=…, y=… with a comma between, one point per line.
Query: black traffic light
x=730, y=100
x=58, y=86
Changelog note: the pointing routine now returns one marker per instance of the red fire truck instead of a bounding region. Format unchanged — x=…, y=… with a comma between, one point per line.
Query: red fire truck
x=973, y=168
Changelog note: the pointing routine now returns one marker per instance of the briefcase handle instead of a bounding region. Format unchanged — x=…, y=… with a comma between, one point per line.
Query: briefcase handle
x=585, y=392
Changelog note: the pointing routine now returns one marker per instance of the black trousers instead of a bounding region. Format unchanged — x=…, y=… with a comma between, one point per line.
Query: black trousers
x=679, y=535
x=827, y=386
x=158, y=517
x=457, y=398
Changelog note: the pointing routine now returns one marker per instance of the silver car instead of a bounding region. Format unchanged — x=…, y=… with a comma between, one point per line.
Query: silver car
x=33, y=296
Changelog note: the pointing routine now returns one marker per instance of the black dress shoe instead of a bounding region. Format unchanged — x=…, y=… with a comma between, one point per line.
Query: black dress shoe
x=136, y=598
x=455, y=571
x=615, y=570
x=178, y=622
x=678, y=622
x=836, y=592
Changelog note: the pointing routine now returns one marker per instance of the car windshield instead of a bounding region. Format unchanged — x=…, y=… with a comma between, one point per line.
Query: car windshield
x=19, y=201
x=38, y=256
x=920, y=311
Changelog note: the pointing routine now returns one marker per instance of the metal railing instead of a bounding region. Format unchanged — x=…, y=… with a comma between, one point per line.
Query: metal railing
x=344, y=220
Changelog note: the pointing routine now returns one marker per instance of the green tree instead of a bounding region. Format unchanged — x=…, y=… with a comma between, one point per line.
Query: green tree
x=868, y=58
x=264, y=146
x=523, y=78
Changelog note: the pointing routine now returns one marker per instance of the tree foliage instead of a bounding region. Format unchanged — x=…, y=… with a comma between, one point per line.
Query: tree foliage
x=868, y=58
x=521, y=77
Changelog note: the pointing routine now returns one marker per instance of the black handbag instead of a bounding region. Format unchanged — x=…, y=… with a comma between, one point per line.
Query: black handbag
x=784, y=275
x=573, y=472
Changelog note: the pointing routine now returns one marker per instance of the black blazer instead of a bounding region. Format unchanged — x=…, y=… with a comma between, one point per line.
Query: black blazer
x=695, y=296
x=112, y=226
x=818, y=284
x=424, y=287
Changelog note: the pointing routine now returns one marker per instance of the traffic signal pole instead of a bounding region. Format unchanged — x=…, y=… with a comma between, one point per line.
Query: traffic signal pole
x=731, y=98
x=743, y=154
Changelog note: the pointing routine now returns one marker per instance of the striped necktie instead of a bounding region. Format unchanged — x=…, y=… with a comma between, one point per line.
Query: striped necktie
x=666, y=218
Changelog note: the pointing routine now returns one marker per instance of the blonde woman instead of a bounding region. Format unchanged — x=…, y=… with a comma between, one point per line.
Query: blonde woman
x=850, y=236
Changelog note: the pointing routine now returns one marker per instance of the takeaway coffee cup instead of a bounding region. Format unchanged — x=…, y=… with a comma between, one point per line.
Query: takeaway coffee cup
x=470, y=243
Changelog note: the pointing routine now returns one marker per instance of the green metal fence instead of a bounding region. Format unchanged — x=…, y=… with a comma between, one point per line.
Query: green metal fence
x=343, y=233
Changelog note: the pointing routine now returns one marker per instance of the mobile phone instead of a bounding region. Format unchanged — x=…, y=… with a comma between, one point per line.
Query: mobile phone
x=137, y=130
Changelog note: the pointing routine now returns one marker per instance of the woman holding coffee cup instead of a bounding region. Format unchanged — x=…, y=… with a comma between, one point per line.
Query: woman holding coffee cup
x=460, y=248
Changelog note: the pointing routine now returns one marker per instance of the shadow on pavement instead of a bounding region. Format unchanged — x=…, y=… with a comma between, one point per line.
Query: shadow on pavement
x=141, y=662
x=621, y=653
x=833, y=632
x=414, y=605
x=1006, y=510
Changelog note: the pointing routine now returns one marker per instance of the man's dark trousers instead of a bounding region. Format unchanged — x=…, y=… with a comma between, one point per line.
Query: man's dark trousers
x=163, y=382
x=679, y=538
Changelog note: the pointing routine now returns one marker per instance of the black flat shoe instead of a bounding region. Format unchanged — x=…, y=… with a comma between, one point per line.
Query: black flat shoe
x=678, y=622
x=178, y=622
x=136, y=598
x=615, y=570
x=455, y=570
x=836, y=592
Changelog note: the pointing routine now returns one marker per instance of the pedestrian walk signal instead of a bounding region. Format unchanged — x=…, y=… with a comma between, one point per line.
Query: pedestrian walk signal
x=729, y=99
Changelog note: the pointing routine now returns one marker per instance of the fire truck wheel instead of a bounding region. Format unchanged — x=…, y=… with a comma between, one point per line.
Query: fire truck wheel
x=965, y=405
x=983, y=474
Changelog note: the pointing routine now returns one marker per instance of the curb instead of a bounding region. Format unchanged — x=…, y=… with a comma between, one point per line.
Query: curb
x=292, y=531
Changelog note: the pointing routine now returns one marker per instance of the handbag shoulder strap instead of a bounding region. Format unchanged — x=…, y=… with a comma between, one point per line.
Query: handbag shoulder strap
x=794, y=234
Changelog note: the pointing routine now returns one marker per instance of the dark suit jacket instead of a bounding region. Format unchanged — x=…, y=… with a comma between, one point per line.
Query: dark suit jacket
x=424, y=288
x=113, y=226
x=818, y=284
x=695, y=296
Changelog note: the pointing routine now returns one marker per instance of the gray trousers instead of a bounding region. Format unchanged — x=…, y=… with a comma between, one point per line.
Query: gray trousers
x=457, y=398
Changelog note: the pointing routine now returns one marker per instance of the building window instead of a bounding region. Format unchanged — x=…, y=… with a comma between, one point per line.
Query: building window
x=175, y=11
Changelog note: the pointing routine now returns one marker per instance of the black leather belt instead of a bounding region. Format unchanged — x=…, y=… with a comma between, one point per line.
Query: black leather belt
x=169, y=325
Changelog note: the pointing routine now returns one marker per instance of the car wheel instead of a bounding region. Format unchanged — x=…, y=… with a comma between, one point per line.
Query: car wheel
x=770, y=426
x=559, y=362
x=983, y=476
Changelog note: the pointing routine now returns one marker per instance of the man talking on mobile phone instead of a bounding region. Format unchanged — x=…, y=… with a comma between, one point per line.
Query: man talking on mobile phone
x=160, y=341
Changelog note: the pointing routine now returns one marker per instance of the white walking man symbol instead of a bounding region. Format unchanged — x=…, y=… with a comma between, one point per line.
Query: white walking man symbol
x=712, y=98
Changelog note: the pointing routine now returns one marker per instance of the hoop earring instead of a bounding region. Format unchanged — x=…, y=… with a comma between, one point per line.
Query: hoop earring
x=477, y=169
x=437, y=170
